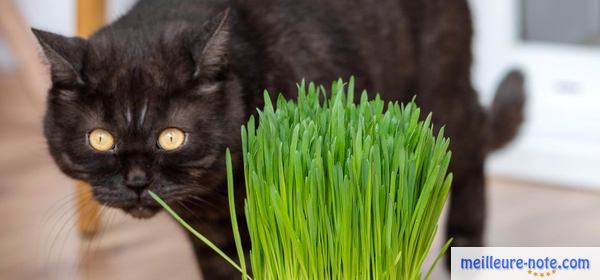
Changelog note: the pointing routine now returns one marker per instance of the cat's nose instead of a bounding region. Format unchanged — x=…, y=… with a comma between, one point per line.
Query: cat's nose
x=137, y=179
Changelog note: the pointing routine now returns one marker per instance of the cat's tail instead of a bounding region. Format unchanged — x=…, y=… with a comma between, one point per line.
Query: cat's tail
x=505, y=115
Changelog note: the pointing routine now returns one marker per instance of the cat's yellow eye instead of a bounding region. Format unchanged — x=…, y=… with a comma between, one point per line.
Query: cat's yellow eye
x=101, y=140
x=171, y=139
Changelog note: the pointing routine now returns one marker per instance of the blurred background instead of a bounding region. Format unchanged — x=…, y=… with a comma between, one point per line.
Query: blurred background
x=543, y=190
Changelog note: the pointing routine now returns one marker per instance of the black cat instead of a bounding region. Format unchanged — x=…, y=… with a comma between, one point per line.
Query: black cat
x=151, y=101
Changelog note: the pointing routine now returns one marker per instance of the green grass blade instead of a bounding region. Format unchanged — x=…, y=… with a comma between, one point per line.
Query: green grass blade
x=198, y=235
x=233, y=215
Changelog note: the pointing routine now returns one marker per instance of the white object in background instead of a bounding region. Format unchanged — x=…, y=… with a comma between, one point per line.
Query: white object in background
x=56, y=16
x=560, y=141
x=59, y=16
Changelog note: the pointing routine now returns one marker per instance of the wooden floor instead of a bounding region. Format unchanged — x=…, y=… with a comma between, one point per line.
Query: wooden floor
x=38, y=239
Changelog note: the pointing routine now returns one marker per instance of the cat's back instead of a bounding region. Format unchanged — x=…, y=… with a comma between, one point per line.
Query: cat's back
x=324, y=40
x=376, y=41
x=156, y=12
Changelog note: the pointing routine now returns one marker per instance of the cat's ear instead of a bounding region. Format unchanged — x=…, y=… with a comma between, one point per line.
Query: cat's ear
x=65, y=56
x=211, y=56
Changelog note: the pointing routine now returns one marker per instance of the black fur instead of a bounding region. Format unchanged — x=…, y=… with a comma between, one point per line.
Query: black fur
x=201, y=66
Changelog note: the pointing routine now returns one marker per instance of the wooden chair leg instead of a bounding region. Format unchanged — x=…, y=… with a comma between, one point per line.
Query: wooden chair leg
x=88, y=210
x=90, y=17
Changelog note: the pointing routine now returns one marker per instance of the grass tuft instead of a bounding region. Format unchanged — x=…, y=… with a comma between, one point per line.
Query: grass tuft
x=340, y=190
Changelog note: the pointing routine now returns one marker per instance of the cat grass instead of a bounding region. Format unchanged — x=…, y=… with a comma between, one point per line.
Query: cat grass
x=338, y=189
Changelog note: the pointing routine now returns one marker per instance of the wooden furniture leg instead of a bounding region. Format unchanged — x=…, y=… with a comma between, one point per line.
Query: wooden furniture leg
x=88, y=211
x=90, y=17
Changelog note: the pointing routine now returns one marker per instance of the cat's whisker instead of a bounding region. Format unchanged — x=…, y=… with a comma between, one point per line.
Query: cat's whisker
x=51, y=255
x=188, y=197
x=187, y=209
x=55, y=214
x=202, y=202
x=64, y=230
x=60, y=206
x=68, y=214
x=64, y=201
x=95, y=242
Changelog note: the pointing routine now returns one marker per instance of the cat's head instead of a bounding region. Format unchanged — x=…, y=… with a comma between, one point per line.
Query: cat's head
x=137, y=110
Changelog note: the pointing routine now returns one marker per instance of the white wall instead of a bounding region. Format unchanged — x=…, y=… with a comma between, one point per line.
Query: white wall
x=56, y=16
x=59, y=15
